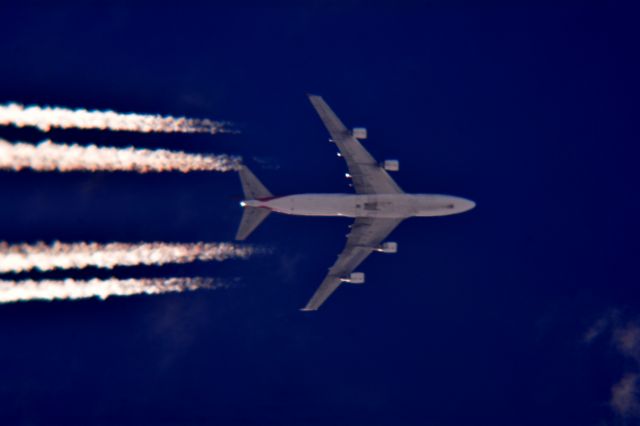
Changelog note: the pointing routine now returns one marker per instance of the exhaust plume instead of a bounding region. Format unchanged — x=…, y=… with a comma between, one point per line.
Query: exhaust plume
x=48, y=156
x=28, y=290
x=44, y=118
x=18, y=258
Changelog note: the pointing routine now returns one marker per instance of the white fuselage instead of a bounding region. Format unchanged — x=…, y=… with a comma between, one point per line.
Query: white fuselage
x=365, y=205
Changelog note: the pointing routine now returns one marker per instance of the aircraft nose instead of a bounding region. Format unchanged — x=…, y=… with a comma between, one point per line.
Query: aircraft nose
x=466, y=205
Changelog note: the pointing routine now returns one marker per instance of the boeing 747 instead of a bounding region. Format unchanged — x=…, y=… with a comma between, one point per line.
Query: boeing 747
x=378, y=206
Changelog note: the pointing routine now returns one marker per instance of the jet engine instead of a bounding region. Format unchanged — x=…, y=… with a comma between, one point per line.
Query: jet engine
x=388, y=247
x=359, y=132
x=391, y=165
x=354, y=278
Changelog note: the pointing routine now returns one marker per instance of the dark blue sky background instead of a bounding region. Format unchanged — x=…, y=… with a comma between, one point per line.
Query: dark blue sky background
x=531, y=111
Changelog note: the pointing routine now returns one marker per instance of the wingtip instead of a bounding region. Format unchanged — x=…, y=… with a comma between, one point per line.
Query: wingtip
x=305, y=309
x=311, y=95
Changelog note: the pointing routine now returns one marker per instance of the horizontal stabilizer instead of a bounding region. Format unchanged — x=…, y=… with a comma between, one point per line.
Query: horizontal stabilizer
x=251, y=218
x=253, y=189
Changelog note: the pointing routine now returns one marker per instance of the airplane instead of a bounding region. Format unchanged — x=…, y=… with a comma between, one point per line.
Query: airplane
x=378, y=206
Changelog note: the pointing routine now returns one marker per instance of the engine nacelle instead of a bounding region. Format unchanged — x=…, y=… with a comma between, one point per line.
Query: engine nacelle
x=354, y=278
x=359, y=132
x=388, y=247
x=391, y=165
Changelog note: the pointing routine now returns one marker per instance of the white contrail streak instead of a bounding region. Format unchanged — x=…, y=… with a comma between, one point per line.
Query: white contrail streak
x=44, y=118
x=18, y=258
x=27, y=290
x=48, y=156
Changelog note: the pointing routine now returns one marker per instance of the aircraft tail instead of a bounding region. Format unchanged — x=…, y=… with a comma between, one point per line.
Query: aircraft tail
x=253, y=190
x=251, y=218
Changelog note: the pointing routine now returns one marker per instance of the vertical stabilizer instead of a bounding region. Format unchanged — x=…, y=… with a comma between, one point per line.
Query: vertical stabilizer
x=253, y=190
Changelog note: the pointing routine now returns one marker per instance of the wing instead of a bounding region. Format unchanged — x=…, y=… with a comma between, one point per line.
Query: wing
x=368, y=177
x=366, y=235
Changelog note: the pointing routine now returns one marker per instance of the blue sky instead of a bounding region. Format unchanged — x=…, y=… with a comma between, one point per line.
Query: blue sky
x=479, y=319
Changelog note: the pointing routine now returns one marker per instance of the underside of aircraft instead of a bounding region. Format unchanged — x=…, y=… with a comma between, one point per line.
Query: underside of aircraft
x=378, y=206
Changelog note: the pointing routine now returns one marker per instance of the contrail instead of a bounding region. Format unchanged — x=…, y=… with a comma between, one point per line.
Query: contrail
x=27, y=290
x=49, y=156
x=44, y=118
x=18, y=258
